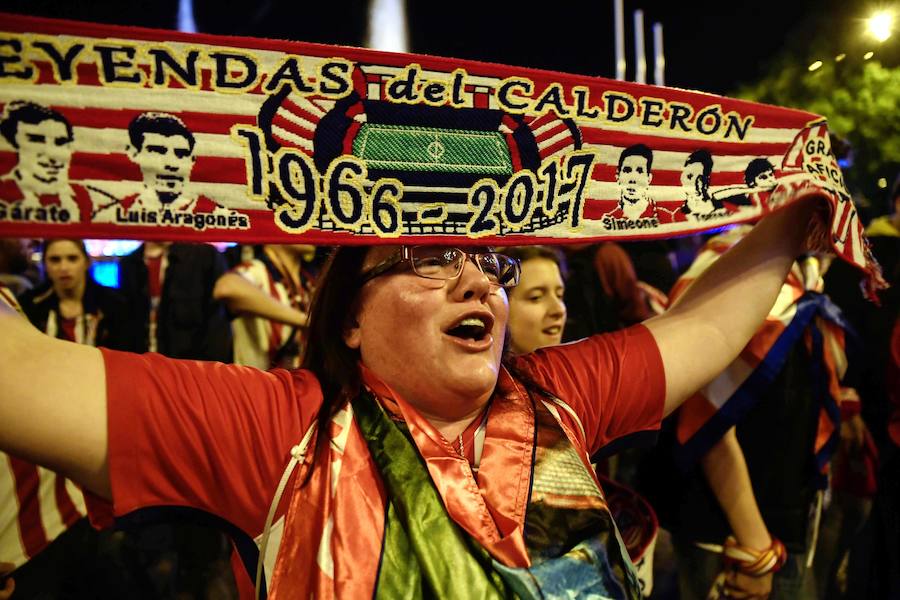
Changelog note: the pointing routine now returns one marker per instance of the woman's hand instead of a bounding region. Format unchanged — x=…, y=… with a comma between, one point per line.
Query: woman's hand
x=740, y=586
x=9, y=586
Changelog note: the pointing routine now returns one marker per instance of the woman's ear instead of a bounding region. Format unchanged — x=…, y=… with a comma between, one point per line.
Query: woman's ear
x=351, y=333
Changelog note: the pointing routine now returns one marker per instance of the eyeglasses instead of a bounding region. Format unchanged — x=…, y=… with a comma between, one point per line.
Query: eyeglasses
x=442, y=262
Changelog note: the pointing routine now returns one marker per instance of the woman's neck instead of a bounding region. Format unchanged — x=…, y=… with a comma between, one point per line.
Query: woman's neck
x=155, y=249
x=452, y=428
x=70, y=301
x=74, y=293
x=433, y=410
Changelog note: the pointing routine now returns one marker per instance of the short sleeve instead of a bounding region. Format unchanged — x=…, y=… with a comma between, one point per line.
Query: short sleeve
x=250, y=271
x=614, y=382
x=203, y=435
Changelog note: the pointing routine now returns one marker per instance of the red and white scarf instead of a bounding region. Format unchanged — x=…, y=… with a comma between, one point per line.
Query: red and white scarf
x=287, y=141
x=801, y=314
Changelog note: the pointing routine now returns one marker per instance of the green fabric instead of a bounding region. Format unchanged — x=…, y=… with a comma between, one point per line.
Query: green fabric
x=433, y=150
x=399, y=574
x=425, y=553
x=576, y=552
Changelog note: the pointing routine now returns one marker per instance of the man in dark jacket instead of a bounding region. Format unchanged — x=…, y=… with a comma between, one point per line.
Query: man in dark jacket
x=169, y=288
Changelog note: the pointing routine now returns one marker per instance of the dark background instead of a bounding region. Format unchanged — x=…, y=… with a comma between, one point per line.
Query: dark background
x=710, y=46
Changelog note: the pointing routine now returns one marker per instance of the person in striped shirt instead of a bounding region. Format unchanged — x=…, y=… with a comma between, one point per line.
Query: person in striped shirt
x=164, y=149
x=269, y=292
x=46, y=543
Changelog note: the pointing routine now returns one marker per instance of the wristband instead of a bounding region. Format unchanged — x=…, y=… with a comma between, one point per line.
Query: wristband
x=754, y=562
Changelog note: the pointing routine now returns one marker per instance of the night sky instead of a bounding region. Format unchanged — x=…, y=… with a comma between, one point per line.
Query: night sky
x=710, y=46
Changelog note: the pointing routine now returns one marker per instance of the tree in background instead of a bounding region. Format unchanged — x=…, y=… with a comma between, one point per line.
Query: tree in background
x=858, y=97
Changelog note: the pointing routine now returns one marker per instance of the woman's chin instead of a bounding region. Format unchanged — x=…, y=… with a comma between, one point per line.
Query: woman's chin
x=474, y=385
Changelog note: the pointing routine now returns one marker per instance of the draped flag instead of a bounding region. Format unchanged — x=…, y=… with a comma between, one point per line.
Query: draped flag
x=801, y=314
x=137, y=133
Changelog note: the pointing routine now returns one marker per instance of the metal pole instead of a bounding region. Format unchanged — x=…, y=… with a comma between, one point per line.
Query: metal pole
x=186, y=21
x=619, y=19
x=388, y=28
x=640, y=56
x=659, y=57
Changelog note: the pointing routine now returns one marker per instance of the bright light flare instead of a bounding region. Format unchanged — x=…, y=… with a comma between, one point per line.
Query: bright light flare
x=868, y=55
x=880, y=25
x=815, y=66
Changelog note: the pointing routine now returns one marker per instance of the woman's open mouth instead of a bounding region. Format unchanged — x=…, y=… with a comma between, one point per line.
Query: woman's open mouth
x=473, y=331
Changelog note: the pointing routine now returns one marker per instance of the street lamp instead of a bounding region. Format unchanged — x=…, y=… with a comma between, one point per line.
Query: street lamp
x=880, y=25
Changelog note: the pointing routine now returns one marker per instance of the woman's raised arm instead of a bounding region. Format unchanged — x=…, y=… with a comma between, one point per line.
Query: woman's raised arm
x=53, y=403
x=708, y=326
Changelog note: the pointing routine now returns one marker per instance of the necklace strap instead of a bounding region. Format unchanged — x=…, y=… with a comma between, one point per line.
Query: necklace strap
x=477, y=439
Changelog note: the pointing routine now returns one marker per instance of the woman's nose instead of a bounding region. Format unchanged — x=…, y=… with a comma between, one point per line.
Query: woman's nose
x=472, y=281
x=557, y=306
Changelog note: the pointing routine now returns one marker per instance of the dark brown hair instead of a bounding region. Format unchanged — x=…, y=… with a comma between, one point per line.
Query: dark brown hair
x=526, y=253
x=326, y=355
x=28, y=112
x=13, y=257
x=161, y=123
x=45, y=245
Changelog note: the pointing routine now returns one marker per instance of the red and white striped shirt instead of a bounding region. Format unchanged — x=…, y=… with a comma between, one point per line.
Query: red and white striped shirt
x=36, y=505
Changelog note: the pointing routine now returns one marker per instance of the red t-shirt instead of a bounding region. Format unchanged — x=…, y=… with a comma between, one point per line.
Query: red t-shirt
x=614, y=382
x=217, y=437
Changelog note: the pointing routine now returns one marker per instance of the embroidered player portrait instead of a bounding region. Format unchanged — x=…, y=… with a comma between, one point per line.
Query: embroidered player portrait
x=760, y=173
x=37, y=188
x=633, y=176
x=164, y=149
x=698, y=203
x=635, y=209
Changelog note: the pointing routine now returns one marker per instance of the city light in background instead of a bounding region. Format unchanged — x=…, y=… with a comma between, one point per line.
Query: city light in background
x=99, y=248
x=880, y=25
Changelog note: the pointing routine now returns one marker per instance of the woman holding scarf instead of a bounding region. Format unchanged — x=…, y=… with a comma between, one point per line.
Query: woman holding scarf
x=404, y=365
